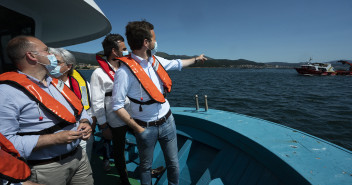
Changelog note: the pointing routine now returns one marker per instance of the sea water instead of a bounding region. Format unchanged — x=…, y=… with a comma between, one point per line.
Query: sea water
x=318, y=105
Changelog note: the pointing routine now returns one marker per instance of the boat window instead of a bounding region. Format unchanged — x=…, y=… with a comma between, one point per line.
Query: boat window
x=12, y=24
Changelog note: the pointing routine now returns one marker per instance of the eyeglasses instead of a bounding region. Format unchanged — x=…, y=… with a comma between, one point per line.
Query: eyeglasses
x=59, y=62
x=37, y=52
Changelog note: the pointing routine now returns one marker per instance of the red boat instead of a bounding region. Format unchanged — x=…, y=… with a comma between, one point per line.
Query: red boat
x=316, y=69
x=323, y=69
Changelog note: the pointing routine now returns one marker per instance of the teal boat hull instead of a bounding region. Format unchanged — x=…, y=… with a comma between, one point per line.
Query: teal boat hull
x=218, y=147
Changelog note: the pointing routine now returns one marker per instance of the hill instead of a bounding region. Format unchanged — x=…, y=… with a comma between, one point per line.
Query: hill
x=169, y=57
x=89, y=59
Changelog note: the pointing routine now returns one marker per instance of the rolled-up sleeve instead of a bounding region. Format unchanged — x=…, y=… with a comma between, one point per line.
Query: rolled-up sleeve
x=85, y=115
x=170, y=64
x=9, y=127
x=120, y=89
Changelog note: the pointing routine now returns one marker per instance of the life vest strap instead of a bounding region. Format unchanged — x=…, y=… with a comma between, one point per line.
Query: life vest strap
x=108, y=93
x=49, y=130
x=149, y=102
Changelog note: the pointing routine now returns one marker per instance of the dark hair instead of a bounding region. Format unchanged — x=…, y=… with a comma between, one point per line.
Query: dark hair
x=136, y=32
x=17, y=48
x=110, y=42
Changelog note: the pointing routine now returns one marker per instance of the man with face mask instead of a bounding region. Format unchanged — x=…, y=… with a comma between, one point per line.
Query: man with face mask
x=112, y=127
x=78, y=84
x=144, y=80
x=42, y=117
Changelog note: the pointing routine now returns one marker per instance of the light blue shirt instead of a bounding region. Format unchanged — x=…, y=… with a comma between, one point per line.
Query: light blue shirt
x=20, y=113
x=126, y=84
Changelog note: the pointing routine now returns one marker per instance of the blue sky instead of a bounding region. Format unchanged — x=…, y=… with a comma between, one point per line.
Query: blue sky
x=257, y=30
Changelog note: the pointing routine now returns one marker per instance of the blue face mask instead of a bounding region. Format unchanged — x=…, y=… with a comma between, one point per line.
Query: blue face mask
x=52, y=68
x=124, y=53
x=56, y=72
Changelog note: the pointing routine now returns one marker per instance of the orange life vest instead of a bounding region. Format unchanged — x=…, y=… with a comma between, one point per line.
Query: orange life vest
x=144, y=79
x=105, y=66
x=12, y=166
x=42, y=97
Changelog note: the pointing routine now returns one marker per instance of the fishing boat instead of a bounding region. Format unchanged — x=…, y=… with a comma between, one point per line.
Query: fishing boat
x=215, y=147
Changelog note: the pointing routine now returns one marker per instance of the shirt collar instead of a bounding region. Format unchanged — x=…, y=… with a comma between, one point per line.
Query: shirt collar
x=141, y=60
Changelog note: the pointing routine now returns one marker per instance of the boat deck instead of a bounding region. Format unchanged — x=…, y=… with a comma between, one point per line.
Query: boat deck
x=219, y=147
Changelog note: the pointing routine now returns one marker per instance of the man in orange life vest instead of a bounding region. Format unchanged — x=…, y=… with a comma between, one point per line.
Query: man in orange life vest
x=42, y=117
x=143, y=79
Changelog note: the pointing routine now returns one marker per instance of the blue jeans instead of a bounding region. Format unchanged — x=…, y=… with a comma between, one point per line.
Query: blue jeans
x=166, y=135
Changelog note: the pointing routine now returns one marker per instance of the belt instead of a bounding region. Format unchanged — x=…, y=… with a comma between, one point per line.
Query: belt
x=154, y=123
x=55, y=159
x=108, y=93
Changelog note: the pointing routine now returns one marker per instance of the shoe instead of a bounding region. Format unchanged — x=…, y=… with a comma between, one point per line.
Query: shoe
x=107, y=166
x=157, y=171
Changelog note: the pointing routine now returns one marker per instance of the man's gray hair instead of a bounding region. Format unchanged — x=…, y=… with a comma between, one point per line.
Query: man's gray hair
x=67, y=56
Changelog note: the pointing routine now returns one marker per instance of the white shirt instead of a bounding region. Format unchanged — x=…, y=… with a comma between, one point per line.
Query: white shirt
x=126, y=84
x=100, y=84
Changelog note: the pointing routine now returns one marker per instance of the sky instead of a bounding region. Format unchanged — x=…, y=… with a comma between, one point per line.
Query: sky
x=258, y=30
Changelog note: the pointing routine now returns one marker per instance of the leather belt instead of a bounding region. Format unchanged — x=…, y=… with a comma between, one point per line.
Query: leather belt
x=55, y=159
x=154, y=123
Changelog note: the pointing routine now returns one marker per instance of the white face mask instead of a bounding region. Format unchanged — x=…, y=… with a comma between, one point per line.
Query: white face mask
x=153, y=51
x=124, y=53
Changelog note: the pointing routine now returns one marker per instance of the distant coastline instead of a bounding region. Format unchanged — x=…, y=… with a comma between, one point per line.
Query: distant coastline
x=83, y=66
x=88, y=61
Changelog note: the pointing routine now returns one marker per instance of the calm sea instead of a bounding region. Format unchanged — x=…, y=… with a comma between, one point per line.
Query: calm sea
x=318, y=105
